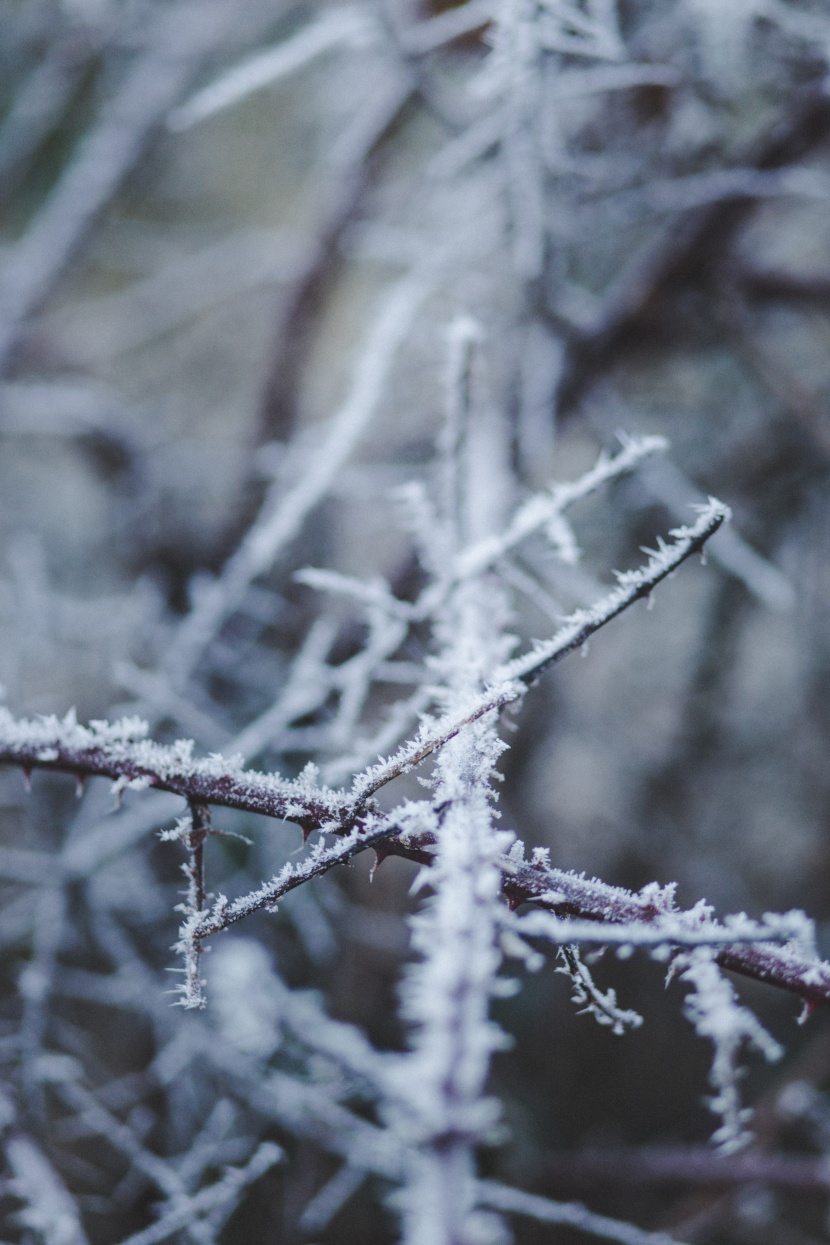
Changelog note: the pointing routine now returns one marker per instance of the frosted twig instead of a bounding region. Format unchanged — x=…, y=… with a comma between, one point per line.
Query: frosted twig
x=568, y=1214
x=121, y=1137
x=307, y=1110
x=516, y=676
x=437, y=1103
x=399, y=719
x=785, y=967
x=716, y=1014
x=48, y=1209
x=794, y=967
x=372, y=594
x=122, y=752
x=529, y=586
x=545, y=508
x=633, y=586
x=319, y=861
x=305, y=689
x=436, y=32
x=192, y=831
x=664, y=481
x=673, y=929
x=590, y=999
x=224, y=1192
x=325, y=1204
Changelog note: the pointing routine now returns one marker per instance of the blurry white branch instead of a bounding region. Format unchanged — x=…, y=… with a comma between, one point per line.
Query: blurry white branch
x=105, y=156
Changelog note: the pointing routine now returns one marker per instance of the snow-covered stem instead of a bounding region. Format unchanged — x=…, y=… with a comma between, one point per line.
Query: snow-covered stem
x=786, y=967
x=192, y=831
x=122, y=752
x=542, y=510
x=346, y=24
x=438, y=1106
x=792, y=967
x=674, y=929
x=47, y=1209
x=714, y=1010
x=773, y=950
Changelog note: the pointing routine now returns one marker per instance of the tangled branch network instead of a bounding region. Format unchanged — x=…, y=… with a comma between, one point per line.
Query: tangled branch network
x=594, y=178
x=486, y=901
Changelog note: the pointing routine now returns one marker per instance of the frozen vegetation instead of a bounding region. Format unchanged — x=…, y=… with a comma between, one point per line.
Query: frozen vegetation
x=340, y=345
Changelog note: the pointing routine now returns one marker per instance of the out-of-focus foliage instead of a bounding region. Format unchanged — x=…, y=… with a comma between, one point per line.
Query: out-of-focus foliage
x=234, y=235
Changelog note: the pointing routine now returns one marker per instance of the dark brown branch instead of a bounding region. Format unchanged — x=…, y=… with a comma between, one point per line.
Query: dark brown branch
x=123, y=754
x=758, y=281
x=199, y=830
x=564, y=894
x=693, y=244
x=688, y=1165
x=137, y=763
x=569, y=895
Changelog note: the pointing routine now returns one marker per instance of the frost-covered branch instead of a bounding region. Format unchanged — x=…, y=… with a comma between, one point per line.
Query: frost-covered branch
x=437, y=1105
x=590, y=999
x=544, y=510
x=674, y=929
x=793, y=967
x=343, y=25
x=538, y=141
x=222, y=1195
x=512, y=679
x=714, y=1010
x=122, y=752
x=567, y=1214
x=48, y=1209
x=319, y=861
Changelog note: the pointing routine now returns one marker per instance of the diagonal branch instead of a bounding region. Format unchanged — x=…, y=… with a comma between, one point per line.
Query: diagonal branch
x=122, y=752
x=512, y=680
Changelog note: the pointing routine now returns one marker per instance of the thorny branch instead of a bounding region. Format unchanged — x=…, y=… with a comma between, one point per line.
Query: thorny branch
x=122, y=753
